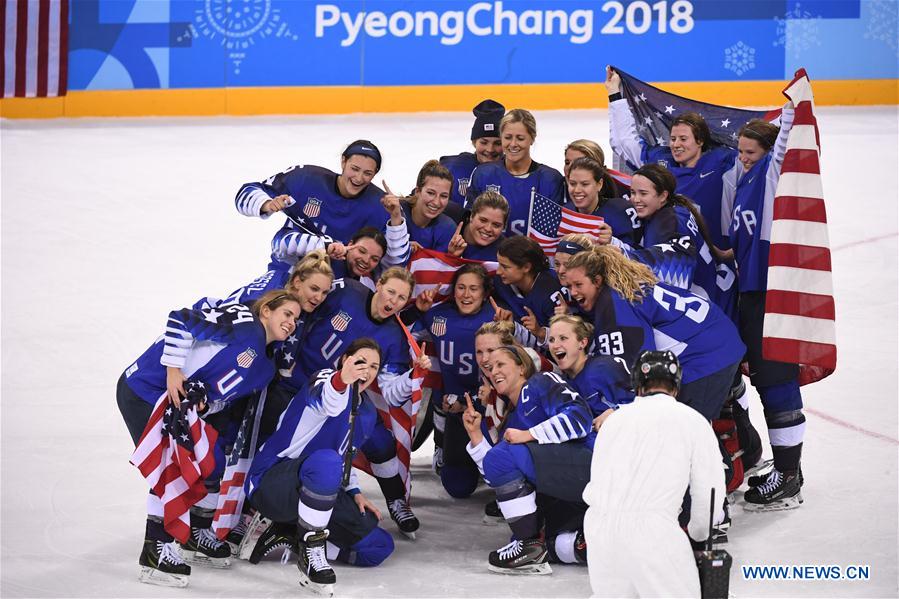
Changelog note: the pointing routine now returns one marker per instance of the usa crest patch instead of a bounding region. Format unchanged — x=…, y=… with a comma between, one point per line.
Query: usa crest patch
x=313, y=207
x=245, y=358
x=341, y=321
x=463, y=186
x=493, y=187
x=438, y=326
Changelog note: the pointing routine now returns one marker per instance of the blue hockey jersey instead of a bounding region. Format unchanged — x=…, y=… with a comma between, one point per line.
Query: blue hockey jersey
x=224, y=348
x=750, y=227
x=318, y=202
x=542, y=299
x=461, y=166
x=546, y=180
x=604, y=383
x=318, y=417
x=435, y=236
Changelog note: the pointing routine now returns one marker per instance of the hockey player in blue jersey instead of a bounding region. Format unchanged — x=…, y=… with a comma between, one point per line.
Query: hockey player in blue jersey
x=227, y=351
x=517, y=174
x=545, y=409
x=296, y=478
x=525, y=283
x=428, y=226
x=317, y=199
x=352, y=311
x=762, y=149
x=586, y=181
x=631, y=312
x=369, y=253
x=675, y=241
x=479, y=234
x=487, y=148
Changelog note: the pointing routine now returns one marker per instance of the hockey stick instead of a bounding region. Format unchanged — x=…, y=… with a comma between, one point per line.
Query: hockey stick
x=351, y=451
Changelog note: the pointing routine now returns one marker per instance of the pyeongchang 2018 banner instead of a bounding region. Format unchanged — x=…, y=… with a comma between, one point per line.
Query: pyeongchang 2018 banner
x=151, y=44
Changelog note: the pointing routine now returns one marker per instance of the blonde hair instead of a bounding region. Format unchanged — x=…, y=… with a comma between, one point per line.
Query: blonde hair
x=628, y=277
x=504, y=329
x=315, y=262
x=520, y=115
x=491, y=199
x=588, y=148
x=398, y=272
x=582, y=329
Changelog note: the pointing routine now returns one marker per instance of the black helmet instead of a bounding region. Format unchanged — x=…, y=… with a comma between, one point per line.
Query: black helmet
x=654, y=366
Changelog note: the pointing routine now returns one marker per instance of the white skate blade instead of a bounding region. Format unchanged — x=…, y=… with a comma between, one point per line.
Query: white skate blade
x=409, y=535
x=532, y=569
x=255, y=529
x=201, y=559
x=324, y=590
x=790, y=503
x=150, y=575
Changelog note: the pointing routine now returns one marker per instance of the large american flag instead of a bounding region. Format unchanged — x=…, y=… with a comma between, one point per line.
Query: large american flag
x=654, y=110
x=175, y=454
x=400, y=420
x=548, y=223
x=799, y=308
x=35, y=47
x=435, y=270
x=231, y=494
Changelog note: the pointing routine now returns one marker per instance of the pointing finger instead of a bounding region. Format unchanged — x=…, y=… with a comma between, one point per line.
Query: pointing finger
x=387, y=187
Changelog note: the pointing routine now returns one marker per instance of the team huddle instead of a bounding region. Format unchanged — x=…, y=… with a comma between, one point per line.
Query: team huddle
x=536, y=346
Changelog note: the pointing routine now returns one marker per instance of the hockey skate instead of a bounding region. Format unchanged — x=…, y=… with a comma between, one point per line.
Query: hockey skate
x=315, y=572
x=403, y=516
x=762, y=476
x=492, y=514
x=162, y=564
x=276, y=536
x=778, y=492
x=520, y=557
x=235, y=537
x=255, y=528
x=204, y=548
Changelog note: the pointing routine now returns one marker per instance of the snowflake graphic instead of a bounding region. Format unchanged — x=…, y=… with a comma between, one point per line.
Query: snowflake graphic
x=739, y=58
x=882, y=22
x=798, y=31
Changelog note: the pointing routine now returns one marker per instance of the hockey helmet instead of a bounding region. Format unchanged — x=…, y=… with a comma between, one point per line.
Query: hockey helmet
x=654, y=366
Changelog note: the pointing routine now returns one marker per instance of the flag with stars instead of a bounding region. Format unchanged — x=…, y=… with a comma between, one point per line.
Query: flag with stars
x=175, y=454
x=231, y=494
x=548, y=223
x=654, y=110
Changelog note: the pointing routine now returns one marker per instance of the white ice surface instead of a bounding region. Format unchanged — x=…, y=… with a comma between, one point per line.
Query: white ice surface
x=109, y=224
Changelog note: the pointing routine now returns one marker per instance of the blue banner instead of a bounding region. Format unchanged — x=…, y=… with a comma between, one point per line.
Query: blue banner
x=158, y=44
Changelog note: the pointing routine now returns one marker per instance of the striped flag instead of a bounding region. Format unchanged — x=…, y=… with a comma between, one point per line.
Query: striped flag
x=799, y=309
x=435, y=270
x=400, y=420
x=231, y=494
x=548, y=223
x=175, y=454
x=35, y=47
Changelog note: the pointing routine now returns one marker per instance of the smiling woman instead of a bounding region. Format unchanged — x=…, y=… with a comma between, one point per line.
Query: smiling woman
x=428, y=226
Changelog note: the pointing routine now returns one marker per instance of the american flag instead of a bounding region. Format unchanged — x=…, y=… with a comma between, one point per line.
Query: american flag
x=435, y=270
x=399, y=420
x=175, y=454
x=35, y=47
x=231, y=494
x=654, y=110
x=799, y=307
x=548, y=223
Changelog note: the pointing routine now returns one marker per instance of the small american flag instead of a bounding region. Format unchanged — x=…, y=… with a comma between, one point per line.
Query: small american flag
x=340, y=321
x=175, y=454
x=548, y=223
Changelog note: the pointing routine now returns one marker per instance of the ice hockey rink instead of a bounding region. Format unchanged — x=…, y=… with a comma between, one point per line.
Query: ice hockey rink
x=109, y=224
